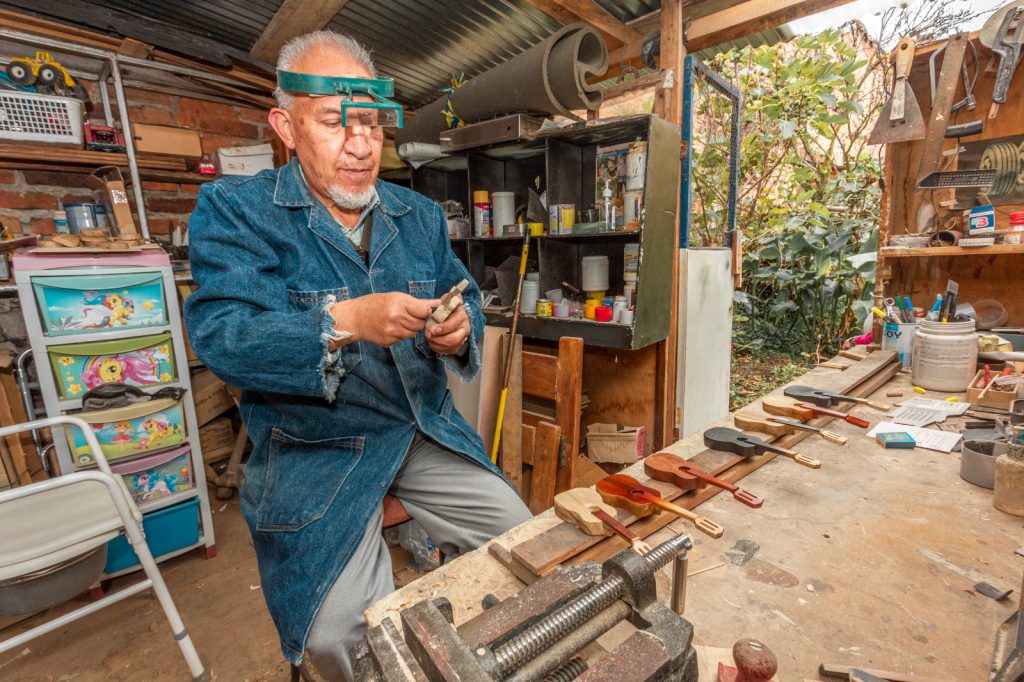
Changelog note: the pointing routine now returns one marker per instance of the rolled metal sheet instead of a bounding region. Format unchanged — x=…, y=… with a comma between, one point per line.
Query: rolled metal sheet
x=549, y=78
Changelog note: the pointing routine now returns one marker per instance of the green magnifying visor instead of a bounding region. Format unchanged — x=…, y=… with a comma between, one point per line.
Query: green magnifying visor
x=356, y=110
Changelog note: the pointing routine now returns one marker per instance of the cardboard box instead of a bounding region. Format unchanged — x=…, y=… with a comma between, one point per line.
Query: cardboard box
x=217, y=439
x=210, y=396
x=107, y=184
x=167, y=141
x=245, y=160
x=614, y=443
x=998, y=396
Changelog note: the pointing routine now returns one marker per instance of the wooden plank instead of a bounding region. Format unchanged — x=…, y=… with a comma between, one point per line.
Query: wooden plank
x=21, y=451
x=545, y=467
x=512, y=424
x=567, y=407
x=611, y=29
x=540, y=372
x=862, y=379
x=293, y=18
x=736, y=20
x=13, y=151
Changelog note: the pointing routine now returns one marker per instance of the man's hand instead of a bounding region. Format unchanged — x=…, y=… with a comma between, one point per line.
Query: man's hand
x=382, y=319
x=447, y=338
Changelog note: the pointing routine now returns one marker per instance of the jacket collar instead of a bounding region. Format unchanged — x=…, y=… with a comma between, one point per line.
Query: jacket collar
x=293, y=191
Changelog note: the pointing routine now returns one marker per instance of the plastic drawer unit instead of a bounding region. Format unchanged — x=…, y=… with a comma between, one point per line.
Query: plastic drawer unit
x=156, y=476
x=167, y=530
x=130, y=431
x=142, y=361
x=83, y=304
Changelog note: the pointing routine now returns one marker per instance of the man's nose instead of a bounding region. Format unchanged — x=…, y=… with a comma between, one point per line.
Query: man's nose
x=356, y=143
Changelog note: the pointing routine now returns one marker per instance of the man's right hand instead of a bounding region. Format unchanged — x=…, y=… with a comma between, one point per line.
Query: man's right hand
x=382, y=319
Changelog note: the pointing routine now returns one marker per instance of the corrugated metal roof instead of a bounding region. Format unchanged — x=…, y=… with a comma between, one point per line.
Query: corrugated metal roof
x=628, y=10
x=236, y=23
x=423, y=42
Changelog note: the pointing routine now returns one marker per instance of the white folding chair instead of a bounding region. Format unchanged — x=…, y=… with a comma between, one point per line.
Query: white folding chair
x=56, y=528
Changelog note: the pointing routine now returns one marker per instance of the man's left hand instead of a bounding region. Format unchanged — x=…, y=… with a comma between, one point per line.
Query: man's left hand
x=447, y=338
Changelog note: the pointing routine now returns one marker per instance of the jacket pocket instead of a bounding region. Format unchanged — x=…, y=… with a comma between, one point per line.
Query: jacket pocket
x=423, y=288
x=303, y=478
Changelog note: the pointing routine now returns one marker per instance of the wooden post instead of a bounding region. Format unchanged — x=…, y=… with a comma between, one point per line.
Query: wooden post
x=669, y=106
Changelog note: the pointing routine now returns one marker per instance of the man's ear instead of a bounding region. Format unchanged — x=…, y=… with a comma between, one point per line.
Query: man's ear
x=281, y=121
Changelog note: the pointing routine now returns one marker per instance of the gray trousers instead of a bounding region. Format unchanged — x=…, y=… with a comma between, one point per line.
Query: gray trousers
x=459, y=504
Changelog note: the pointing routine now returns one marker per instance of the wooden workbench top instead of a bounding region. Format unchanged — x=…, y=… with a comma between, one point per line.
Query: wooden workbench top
x=830, y=569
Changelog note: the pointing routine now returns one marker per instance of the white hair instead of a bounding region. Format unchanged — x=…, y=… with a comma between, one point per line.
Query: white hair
x=293, y=50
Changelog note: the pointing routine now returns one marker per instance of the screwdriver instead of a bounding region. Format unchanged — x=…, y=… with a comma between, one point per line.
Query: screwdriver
x=856, y=421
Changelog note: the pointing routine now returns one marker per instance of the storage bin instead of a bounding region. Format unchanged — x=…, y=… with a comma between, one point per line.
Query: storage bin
x=154, y=476
x=30, y=117
x=138, y=361
x=166, y=530
x=130, y=431
x=80, y=304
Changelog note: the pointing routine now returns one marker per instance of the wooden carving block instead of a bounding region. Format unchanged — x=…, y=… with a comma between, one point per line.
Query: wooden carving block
x=449, y=302
x=576, y=506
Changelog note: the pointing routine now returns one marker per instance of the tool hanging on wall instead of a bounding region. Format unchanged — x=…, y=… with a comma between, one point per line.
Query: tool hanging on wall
x=669, y=468
x=730, y=440
x=584, y=508
x=901, y=118
x=828, y=398
x=625, y=492
x=1003, y=33
x=510, y=356
x=930, y=175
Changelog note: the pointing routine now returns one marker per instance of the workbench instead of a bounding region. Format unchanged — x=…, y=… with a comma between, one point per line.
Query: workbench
x=831, y=568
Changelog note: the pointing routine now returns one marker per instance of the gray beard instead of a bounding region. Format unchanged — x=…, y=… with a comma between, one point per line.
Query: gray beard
x=353, y=200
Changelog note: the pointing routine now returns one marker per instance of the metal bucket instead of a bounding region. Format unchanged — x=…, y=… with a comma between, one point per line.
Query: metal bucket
x=978, y=461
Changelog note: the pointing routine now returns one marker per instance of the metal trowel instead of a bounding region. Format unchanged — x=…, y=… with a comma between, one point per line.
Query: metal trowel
x=901, y=118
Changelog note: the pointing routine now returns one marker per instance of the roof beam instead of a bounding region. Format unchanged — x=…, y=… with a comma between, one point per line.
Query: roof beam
x=728, y=21
x=294, y=18
x=571, y=11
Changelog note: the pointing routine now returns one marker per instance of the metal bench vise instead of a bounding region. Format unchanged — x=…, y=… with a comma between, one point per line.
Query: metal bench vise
x=541, y=632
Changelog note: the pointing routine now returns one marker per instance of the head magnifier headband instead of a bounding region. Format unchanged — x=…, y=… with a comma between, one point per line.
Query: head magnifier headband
x=388, y=113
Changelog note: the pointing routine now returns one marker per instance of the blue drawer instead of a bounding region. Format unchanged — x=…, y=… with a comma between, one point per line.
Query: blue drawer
x=80, y=304
x=166, y=530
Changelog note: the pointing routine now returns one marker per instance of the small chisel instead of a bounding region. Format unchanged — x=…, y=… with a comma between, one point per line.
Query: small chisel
x=830, y=436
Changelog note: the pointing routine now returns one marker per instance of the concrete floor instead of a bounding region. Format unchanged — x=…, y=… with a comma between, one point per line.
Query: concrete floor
x=837, y=576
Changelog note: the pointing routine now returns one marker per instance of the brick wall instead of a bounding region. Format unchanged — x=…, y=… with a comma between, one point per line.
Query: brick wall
x=29, y=197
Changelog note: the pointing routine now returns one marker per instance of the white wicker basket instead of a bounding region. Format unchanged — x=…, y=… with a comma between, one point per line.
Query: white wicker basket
x=40, y=118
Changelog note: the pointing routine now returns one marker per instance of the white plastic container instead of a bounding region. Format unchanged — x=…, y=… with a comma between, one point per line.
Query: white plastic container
x=944, y=356
x=631, y=258
x=636, y=166
x=503, y=211
x=595, y=273
x=528, y=299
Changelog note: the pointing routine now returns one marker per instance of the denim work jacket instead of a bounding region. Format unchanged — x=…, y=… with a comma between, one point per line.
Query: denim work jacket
x=329, y=430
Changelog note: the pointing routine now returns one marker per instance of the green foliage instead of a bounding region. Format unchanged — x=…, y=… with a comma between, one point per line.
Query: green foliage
x=809, y=200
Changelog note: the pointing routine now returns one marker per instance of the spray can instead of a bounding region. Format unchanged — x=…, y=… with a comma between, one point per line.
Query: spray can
x=481, y=213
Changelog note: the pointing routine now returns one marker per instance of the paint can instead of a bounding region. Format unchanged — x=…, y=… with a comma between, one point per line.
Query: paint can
x=595, y=274
x=481, y=213
x=503, y=211
x=544, y=307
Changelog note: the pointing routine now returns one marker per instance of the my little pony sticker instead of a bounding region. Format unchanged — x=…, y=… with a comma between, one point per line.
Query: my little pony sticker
x=128, y=437
x=145, y=367
x=69, y=311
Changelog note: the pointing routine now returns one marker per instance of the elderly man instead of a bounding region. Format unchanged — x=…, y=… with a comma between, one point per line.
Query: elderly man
x=315, y=282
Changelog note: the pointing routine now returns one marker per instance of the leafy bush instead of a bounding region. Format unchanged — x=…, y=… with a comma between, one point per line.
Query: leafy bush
x=809, y=197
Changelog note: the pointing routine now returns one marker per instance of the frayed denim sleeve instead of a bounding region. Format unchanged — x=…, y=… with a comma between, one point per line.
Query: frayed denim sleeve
x=240, y=321
x=450, y=272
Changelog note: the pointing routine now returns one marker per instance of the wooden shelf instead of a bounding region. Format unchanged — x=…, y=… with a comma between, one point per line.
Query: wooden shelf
x=15, y=155
x=938, y=251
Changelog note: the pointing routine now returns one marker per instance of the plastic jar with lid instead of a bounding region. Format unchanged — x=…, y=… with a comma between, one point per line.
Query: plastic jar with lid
x=1016, y=233
x=944, y=356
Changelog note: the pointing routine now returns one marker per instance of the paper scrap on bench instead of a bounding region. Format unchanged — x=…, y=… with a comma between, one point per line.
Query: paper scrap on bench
x=952, y=409
x=917, y=416
x=931, y=439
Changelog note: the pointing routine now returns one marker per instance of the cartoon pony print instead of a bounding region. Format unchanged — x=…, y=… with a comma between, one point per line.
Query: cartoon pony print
x=133, y=370
x=157, y=430
x=122, y=433
x=121, y=309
